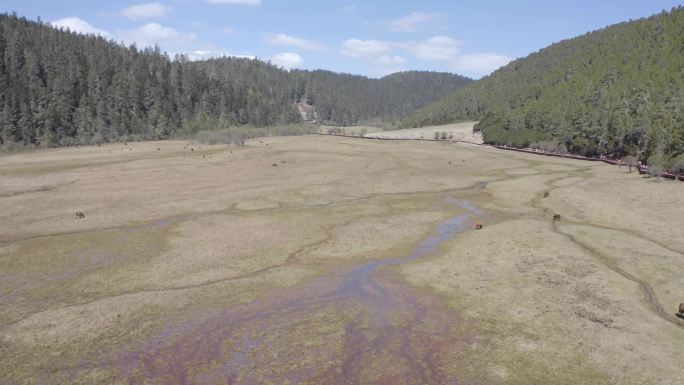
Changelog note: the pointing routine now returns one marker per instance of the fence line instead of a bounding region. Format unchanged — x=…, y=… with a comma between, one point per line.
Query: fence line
x=641, y=169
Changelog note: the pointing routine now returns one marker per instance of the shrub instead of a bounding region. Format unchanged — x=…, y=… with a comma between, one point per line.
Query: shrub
x=239, y=135
x=12, y=146
x=656, y=163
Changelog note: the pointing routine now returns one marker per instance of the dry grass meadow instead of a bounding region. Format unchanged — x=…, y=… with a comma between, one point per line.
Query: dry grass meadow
x=232, y=265
x=457, y=131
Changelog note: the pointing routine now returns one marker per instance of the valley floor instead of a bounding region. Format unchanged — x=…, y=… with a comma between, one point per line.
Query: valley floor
x=326, y=260
x=461, y=132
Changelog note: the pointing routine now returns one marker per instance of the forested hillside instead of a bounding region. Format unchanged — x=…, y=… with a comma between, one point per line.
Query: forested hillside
x=339, y=99
x=615, y=91
x=58, y=87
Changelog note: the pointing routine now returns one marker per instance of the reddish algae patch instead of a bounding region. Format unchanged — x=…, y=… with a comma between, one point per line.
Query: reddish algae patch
x=359, y=326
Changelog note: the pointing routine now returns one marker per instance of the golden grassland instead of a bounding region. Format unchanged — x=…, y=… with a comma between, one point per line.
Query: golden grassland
x=178, y=237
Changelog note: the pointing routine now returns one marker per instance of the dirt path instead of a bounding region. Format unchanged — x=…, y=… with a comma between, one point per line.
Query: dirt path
x=647, y=290
x=649, y=295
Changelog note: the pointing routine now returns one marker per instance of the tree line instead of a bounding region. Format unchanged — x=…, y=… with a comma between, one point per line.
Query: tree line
x=62, y=88
x=618, y=92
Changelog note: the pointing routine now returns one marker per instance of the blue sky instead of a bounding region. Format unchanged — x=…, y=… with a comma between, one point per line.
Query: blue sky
x=372, y=38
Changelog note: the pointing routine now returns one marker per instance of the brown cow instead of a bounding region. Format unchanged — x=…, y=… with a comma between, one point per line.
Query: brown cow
x=546, y=194
x=556, y=217
x=681, y=309
x=478, y=225
x=79, y=215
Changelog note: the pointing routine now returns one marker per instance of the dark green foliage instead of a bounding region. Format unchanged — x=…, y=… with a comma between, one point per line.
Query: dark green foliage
x=62, y=88
x=615, y=91
x=343, y=99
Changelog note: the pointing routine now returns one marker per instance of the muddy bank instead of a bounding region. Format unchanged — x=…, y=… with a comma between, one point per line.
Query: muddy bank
x=362, y=325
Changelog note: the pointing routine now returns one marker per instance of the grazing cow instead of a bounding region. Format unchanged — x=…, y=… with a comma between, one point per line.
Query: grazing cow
x=79, y=215
x=556, y=217
x=546, y=194
x=681, y=309
x=478, y=225
x=274, y=165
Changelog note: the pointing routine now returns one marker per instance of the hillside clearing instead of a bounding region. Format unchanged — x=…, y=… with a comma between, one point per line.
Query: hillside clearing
x=462, y=132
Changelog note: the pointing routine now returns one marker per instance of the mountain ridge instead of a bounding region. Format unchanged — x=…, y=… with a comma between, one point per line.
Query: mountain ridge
x=59, y=88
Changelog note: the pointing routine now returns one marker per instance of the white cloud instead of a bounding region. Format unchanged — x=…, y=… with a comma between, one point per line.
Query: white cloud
x=76, y=24
x=283, y=39
x=480, y=64
x=228, y=31
x=412, y=21
x=153, y=33
x=239, y=2
x=442, y=48
x=435, y=48
x=384, y=71
x=389, y=64
x=386, y=57
x=287, y=60
x=350, y=8
x=204, y=54
x=359, y=48
x=146, y=11
x=390, y=60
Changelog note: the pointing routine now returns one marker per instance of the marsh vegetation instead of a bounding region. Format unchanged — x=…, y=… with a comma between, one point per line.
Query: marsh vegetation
x=212, y=266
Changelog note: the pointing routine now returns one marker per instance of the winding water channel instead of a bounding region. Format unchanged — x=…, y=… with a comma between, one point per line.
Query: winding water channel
x=363, y=325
